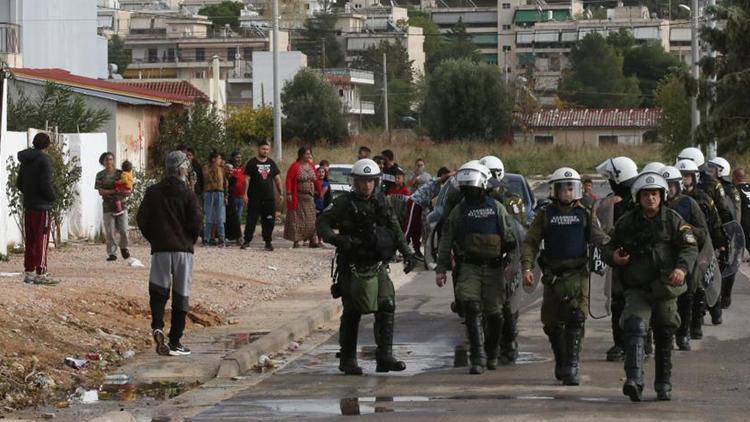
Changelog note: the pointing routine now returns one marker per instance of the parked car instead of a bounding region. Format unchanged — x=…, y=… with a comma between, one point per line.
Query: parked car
x=338, y=175
x=518, y=184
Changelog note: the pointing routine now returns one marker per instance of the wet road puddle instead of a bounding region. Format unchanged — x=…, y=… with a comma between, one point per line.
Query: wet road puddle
x=156, y=390
x=237, y=340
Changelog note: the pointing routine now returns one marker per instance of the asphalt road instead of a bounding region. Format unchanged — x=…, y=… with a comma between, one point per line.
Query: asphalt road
x=712, y=382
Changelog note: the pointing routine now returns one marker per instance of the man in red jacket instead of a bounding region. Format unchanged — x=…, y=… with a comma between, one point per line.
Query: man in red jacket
x=170, y=219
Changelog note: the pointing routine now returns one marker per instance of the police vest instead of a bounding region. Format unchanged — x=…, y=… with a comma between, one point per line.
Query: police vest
x=683, y=208
x=481, y=239
x=564, y=233
x=729, y=191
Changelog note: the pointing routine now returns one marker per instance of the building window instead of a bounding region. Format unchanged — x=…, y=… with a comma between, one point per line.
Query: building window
x=341, y=92
x=544, y=139
x=200, y=54
x=170, y=55
x=506, y=48
x=506, y=27
x=153, y=55
x=247, y=53
x=231, y=53
x=506, y=5
x=607, y=139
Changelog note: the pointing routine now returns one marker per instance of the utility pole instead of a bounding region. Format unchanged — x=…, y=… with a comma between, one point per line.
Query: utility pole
x=385, y=96
x=695, y=117
x=276, y=88
x=711, y=150
x=323, y=57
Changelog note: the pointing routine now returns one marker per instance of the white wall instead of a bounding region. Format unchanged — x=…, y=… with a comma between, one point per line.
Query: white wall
x=85, y=219
x=290, y=62
x=12, y=142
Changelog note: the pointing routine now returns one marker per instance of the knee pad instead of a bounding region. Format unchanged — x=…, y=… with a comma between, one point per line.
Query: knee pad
x=576, y=318
x=387, y=305
x=472, y=308
x=634, y=326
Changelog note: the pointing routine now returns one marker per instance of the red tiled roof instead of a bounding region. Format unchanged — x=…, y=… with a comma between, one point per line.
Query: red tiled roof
x=63, y=77
x=182, y=88
x=583, y=118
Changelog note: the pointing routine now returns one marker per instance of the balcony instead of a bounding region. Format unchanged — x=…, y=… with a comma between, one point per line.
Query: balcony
x=367, y=107
x=10, y=42
x=354, y=76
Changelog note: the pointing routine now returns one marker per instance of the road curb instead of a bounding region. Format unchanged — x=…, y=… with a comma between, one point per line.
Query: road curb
x=242, y=360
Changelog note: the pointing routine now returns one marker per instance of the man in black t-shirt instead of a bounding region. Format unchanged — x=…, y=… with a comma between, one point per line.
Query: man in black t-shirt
x=390, y=169
x=263, y=182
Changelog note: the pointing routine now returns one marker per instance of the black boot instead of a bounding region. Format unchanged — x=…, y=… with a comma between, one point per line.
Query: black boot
x=616, y=352
x=557, y=341
x=685, y=309
x=573, y=337
x=635, y=337
x=726, y=292
x=348, y=331
x=716, y=314
x=663, y=363
x=384, y=340
x=699, y=310
x=493, y=327
x=473, y=319
x=508, y=343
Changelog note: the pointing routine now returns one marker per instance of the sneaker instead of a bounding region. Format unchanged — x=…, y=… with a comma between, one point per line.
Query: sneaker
x=28, y=277
x=269, y=247
x=45, y=280
x=245, y=245
x=161, y=346
x=178, y=350
x=112, y=258
x=125, y=253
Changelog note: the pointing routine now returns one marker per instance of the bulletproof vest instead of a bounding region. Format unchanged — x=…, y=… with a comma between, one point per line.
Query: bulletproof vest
x=370, y=228
x=729, y=191
x=481, y=230
x=564, y=233
x=682, y=206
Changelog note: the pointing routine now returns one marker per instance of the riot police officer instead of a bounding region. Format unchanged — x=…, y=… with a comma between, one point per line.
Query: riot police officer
x=367, y=239
x=691, y=212
x=477, y=233
x=620, y=172
x=515, y=207
x=567, y=228
x=719, y=169
x=690, y=174
x=653, y=249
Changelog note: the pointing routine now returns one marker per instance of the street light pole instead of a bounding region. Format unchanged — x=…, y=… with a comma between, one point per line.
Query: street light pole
x=712, y=150
x=276, y=89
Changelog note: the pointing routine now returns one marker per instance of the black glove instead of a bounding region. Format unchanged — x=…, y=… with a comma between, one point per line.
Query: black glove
x=347, y=243
x=410, y=262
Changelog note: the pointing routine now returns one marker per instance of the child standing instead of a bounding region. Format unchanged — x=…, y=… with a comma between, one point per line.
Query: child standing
x=123, y=185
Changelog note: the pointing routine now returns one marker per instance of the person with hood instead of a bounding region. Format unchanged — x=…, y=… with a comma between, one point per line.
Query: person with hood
x=35, y=183
x=170, y=219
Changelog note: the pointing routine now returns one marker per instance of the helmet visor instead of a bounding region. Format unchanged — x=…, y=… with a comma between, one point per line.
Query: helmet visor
x=471, y=178
x=567, y=190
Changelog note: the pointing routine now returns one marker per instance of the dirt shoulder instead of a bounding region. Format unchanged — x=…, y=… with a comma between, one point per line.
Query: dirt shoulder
x=102, y=307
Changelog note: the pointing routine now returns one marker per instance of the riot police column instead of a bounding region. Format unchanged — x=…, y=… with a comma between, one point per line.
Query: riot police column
x=367, y=235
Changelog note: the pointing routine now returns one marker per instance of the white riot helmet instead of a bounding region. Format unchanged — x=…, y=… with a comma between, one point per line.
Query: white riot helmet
x=495, y=165
x=564, y=177
x=649, y=180
x=473, y=174
x=693, y=154
x=366, y=168
x=687, y=167
x=618, y=169
x=723, y=167
x=672, y=175
x=653, y=166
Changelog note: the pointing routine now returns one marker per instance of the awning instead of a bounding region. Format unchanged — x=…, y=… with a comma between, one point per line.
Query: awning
x=484, y=39
x=525, y=58
x=646, y=33
x=569, y=36
x=546, y=36
x=524, y=37
x=531, y=16
x=679, y=34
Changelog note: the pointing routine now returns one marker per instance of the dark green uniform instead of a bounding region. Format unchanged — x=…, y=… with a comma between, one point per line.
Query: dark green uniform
x=364, y=226
x=478, y=236
x=714, y=189
x=727, y=283
x=567, y=231
x=657, y=246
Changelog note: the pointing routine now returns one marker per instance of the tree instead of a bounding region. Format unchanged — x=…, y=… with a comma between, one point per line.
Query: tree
x=56, y=106
x=467, y=100
x=118, y=54
x=401, y=93
x=199, y=127
x=226, y=12
x=729, y=119
x=318, y=35
x=250, y=124
x=433, y=39
x=312, y=108
x=596, y=79
x=457, y=46
x=674, y=124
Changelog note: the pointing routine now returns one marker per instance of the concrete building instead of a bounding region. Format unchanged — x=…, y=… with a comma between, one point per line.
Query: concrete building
x=290, y=62
x=347, y=83
x=182, y=47
x=135, y=111
x=588, y=127
x=113, y=21
x=53, y=34
x=411, y=38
